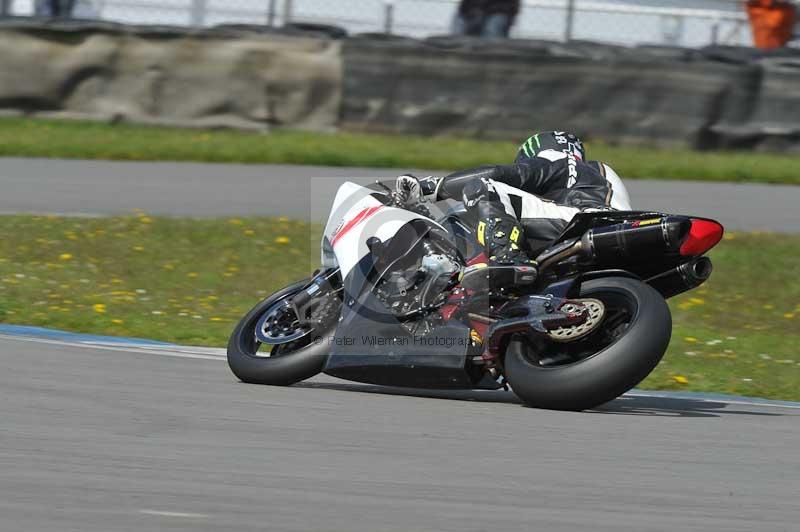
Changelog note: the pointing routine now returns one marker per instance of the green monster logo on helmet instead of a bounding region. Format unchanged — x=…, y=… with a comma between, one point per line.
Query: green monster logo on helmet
x=552, y=141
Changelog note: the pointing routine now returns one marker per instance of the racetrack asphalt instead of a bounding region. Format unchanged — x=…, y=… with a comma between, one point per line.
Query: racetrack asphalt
x=306, y=192
x=116, y=438
x=119, y=438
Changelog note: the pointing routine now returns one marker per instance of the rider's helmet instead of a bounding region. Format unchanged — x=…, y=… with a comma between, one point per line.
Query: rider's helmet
x=552, y=145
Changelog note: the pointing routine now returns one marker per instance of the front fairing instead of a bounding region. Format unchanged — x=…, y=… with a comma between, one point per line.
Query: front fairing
x=359, y=214
x=371, y=344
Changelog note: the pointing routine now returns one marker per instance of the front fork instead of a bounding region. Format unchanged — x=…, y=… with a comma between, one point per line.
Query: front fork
x=325, y=282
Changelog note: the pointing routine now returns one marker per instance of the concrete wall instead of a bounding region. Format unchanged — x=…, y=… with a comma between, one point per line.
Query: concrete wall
x=146, y=75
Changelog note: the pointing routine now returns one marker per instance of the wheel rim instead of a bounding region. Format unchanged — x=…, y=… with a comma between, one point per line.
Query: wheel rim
x=621, y=311
x=251, y=345
x=280, y=325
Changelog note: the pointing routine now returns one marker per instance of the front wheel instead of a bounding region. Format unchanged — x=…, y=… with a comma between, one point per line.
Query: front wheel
x=626, y=347
x=282, y=364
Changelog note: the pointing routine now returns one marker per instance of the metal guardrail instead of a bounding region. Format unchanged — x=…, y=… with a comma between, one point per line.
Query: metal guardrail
x=685, y=22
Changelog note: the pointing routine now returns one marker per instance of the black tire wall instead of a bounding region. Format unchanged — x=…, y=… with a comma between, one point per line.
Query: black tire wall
x=280, y=371
x=608, y=374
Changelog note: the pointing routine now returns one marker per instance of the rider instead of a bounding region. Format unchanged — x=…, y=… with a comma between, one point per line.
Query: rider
x=522, y=207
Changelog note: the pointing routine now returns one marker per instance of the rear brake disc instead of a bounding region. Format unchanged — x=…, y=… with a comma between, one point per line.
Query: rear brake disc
x=597, y=312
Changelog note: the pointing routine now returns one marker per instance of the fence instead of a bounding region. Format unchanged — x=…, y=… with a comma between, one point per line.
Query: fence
x=628, y=22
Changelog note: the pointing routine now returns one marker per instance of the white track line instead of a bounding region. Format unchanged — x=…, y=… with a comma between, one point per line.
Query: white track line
x=174, y=514
x=733, y=401
x=178, y=351
x=219, y=355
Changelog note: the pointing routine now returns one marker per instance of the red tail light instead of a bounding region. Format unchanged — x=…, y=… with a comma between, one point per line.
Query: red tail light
x=704, y=235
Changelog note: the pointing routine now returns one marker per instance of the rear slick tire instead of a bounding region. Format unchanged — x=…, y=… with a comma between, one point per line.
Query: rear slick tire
x=283, y=370
x=610, y=372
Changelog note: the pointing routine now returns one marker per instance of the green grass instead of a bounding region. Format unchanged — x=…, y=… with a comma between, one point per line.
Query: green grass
x=186, y=281
x=93, y=140
x=189, y=281
x=740, y=332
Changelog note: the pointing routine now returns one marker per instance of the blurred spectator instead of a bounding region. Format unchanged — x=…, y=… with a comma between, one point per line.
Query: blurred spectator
x=772, y=22
x=53, y=8
x=485, y=18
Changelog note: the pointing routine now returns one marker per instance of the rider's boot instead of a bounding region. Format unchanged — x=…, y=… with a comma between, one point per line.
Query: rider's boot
x=501, y=237
x=508, y=264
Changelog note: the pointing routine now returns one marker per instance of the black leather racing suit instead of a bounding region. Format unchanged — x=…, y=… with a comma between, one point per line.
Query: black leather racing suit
x=535, y=198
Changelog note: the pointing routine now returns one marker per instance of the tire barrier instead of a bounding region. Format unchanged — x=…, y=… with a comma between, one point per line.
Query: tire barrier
x=705, y=99
x=317, y=77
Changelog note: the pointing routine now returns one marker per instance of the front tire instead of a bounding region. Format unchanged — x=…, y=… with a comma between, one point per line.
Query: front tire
x=285, y=364
x=628, y=351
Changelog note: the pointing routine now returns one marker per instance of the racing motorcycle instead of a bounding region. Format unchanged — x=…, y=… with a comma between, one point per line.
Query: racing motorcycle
x=406, y=298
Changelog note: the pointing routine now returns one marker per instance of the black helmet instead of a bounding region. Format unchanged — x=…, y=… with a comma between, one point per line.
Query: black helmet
x=554, y=142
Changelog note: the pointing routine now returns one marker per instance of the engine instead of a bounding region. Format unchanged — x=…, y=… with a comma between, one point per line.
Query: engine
x=424, y=285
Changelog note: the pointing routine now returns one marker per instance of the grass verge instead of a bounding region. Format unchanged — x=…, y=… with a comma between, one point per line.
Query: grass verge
x=189, y=281
x=93, y=140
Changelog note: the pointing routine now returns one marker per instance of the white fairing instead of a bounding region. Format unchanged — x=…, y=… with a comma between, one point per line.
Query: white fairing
x=355, y=217
x=620, y=200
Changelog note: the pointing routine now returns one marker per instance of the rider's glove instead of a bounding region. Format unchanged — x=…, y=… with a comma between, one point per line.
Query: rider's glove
x=430, y=186
x=408, y=191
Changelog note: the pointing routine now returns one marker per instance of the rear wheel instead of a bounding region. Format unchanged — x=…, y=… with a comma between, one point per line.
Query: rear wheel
x=624, y=349
x=287, y=363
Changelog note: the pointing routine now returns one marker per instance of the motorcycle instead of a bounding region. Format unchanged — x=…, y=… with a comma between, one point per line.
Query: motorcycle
x=406, y=298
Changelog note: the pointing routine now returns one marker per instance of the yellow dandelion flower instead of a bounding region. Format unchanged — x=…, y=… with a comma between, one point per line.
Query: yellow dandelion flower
x=789, y=315
x=691, y=339
x=215, y=319
x=169, y=266
x=282, y=240
x=65, y=256
x=117, y=322
x=680, y=379
x=697, y=301
x=191, y=275
x=248, y=232
x=100, y=308
x=145, y=219
x=235, y=221
x=138, y=248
